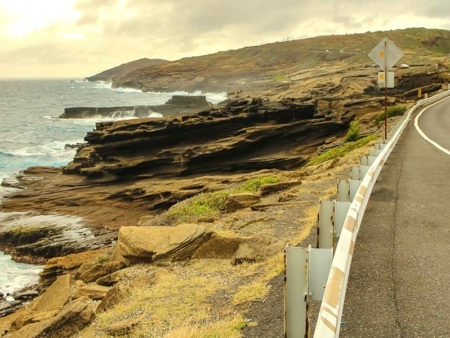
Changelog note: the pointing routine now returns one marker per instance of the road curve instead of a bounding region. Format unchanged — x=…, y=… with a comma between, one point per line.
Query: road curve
x=400, y=275
x=433, y=124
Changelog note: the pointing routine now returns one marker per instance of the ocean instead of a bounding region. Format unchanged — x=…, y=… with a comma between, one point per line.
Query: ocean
x=31, y=134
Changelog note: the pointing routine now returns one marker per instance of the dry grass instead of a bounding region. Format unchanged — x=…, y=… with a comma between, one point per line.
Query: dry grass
x=209, y=298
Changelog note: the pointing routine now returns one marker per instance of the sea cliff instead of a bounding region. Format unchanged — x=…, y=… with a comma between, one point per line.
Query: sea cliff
x=137, y=259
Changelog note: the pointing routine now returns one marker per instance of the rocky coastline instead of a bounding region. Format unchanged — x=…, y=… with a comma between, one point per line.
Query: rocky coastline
x=101, y=219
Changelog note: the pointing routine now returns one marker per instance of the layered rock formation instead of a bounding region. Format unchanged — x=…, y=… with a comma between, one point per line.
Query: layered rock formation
x=133, y=168
x=244, y=136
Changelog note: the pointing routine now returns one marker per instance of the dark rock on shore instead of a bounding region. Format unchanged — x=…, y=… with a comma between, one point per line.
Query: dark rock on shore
x=177, y=105
x=11, y=303
x=32, y=238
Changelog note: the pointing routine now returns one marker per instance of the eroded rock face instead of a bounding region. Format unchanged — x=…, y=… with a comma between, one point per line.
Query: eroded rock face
x=240, y=201
x=149, y=244
x=33, y=238
x=258, y=248
x=244, y=136
x=64, y=323
x=133, y=168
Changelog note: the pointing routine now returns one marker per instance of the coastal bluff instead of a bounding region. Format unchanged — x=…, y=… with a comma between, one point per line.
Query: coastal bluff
x=134, y=168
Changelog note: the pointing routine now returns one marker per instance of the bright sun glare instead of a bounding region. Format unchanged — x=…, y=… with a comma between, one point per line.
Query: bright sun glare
x=26, y=16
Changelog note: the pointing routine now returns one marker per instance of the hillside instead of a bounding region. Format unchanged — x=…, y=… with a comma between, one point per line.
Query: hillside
x=119, y=71
x=269, y=65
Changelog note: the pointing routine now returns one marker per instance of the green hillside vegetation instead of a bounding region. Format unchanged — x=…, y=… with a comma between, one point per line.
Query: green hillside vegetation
x=278, y=59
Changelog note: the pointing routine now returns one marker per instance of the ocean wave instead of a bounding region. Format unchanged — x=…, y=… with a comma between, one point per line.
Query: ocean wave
x=6, y=154
x=213, y=97
x=108, y=85
x=16, y=276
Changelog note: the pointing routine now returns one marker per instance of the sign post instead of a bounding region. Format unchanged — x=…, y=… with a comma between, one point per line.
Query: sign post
x=385, y=55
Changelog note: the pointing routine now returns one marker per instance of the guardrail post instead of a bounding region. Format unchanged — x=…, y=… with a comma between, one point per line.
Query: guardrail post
x=367, y=160
x=343, y=190
x=354, y=186
x=319, y=266
x=296, y=292
x=357, y=172
x=340, y=212
x=325, y=231
x=374, y=152
x=380, y=146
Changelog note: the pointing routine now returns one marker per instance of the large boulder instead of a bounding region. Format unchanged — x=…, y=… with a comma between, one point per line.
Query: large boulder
x=48, y=304
x=258, y=248
x=235, y=202
x=69, y=264
x=91, y=271
x=64, y=323
x=149, y=244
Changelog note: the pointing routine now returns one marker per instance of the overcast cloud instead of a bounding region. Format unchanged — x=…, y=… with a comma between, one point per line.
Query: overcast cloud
x=78, y=38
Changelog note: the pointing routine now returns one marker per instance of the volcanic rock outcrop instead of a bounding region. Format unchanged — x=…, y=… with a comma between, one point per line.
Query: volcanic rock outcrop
x=129, y=169
x=177, y=105
x=241, y=137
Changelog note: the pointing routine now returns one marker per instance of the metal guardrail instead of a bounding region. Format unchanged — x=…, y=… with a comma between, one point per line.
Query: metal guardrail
x=330, y=314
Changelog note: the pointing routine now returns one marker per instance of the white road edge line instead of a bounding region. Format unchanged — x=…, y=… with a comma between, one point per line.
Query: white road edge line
x=416, y=124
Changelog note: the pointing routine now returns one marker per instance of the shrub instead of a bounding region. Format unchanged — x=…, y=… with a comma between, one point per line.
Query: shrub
x=340, y=151
x=392, y=111
x=202, y=205
x=254, y=184
x=353, y=132
x=211, y=203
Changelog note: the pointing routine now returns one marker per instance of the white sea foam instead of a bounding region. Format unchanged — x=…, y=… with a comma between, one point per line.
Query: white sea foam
x=55, y=149
x=31, y=135
x=16, y=276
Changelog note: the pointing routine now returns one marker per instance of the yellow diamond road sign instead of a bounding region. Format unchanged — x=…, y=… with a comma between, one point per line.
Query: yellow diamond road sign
x=387, y=52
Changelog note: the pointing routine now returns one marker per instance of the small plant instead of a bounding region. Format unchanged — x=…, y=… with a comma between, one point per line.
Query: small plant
x=202, y=205
x=101, y=259
x=353, y=133
x=281, y=78
x=212, y=203
x=341, y=151
x=254, y=184
x=392, y=111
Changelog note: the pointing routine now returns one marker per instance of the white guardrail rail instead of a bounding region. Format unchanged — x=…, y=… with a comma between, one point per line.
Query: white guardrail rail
x=330, y=314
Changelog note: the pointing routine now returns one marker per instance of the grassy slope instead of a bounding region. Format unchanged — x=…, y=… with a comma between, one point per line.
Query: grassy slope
x=420, y=45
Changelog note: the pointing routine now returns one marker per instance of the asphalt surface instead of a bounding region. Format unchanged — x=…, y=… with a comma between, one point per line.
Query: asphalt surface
x=399, y=283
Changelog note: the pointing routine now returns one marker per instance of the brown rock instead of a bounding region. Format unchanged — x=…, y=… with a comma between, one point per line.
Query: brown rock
x=240, y=201
x=69, y=264
x=114, y=296
x=149, y=244
x=48, y=304
x=218, y=248
x=110, y=279
x=258, y=248
x=270, y=188
x=91, y=271
x=56, y=296
x=93, y=291
x=67, y=322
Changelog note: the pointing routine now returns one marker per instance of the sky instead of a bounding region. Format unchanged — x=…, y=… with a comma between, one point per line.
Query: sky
x=80, y=38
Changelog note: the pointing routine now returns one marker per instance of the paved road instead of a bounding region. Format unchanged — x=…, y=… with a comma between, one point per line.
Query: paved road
x=399, y=283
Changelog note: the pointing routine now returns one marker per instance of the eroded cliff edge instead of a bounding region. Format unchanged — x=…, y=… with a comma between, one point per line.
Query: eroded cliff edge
x=132, y=168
